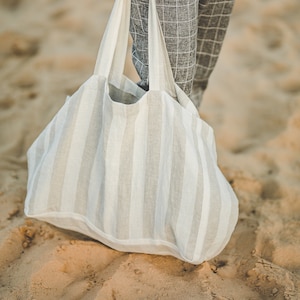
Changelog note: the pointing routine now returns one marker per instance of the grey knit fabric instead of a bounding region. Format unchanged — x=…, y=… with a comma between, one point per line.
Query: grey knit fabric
x=194, y=31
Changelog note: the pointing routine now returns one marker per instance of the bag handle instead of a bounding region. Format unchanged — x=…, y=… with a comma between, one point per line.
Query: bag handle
x=160, y=71
x=111, y=56
x=113, y=49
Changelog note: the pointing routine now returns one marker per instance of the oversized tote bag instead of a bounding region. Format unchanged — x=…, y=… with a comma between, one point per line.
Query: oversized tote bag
x=134, y=170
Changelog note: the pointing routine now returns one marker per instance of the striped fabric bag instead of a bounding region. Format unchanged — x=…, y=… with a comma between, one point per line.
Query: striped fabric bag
x=134, y=170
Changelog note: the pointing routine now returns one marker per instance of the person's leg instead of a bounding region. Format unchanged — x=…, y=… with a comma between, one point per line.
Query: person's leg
x=182, y=21
x=213, y=21
x=179, y=21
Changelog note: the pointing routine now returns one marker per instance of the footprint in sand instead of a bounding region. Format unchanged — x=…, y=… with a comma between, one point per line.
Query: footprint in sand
x=11, y=248
x=6, y=102
x=73, y=269
x=13, y=43
x=10, y=4
x=273, y=282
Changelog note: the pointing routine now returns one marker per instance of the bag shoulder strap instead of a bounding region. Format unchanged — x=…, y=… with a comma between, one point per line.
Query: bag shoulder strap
x=113, y=50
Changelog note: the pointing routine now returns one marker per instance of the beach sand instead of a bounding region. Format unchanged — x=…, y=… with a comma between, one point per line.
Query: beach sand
x=47, y=49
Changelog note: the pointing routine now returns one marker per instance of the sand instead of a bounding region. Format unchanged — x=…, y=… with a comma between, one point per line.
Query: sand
x=47, y=49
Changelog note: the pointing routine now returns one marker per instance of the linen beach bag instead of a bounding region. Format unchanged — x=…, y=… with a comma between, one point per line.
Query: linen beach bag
x=134, y=170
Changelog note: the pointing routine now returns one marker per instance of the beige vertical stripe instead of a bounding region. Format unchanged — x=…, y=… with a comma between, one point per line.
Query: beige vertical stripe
x=88, y=155
x=152, y=163
x=205, y=196
x=125, y=174
x=177, y=170
x=37, y=162
x=74, y=160
x=228, y=215
x=215, y=196
x=189, y=185
x=165, y=166
x=112, y=162
x=138, y=173
x=215, y=207
x=58, y=153
x=197, y=212
x=99, y=166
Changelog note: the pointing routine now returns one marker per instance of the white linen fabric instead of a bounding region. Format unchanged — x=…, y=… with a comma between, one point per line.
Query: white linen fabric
x=134, y=170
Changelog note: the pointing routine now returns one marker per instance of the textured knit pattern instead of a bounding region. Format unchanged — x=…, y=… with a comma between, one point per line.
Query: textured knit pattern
x=194, y=31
